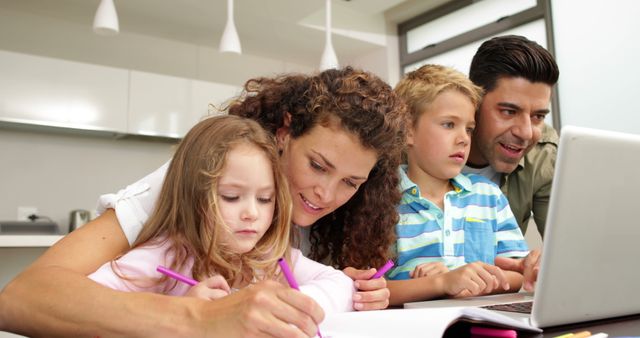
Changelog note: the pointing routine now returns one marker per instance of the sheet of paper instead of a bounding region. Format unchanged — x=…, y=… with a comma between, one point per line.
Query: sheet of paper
x=426, y=322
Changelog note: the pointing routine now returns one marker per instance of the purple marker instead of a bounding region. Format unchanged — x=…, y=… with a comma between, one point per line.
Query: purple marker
x=388, y=265
x=288, y=275
x=176, y=275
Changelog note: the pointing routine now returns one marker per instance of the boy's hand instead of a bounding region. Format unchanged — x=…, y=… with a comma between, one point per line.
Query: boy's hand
x=428, y=270
x=474, y=279
x=209, y=289
x=372, y=294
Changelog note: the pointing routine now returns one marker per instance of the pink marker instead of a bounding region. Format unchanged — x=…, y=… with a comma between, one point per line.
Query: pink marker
x=489, y=332
x=288, y=275
x=388, y=265
x=176, y=275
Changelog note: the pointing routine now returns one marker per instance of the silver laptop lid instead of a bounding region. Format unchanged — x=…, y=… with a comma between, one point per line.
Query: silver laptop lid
x=591, y=261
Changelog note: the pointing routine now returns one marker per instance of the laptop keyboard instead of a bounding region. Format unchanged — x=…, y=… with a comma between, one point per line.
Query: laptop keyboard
x=522, y=307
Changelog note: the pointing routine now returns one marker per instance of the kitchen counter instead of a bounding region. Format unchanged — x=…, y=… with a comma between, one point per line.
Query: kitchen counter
x=28, y=241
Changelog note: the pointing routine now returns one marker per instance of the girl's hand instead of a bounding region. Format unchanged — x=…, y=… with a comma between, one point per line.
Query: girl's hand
x=209, y=289
x=474, y=279
x=428, y=270
x=372, y=294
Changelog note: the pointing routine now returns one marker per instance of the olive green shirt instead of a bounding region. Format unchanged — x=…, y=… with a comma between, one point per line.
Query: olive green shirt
x=528, y=187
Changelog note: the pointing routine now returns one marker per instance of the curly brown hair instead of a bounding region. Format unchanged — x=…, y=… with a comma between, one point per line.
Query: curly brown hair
x=360, y=232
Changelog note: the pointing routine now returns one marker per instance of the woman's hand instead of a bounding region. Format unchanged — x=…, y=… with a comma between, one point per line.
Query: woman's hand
x=428, y=270
x=211, y=288
x=372, y=294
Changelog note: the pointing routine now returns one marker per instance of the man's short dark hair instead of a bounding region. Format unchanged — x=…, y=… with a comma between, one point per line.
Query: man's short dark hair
x=512, y=56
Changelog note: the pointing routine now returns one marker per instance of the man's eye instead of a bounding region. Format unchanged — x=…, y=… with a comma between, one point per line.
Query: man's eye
x=315, y=165
x=508, y=111
x=539, y=117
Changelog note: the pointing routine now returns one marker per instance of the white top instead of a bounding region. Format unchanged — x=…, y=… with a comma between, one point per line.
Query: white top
x=135, y=203
x=330, y=288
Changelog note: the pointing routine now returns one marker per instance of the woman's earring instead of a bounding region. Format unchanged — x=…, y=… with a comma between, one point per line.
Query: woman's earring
x=280, y=151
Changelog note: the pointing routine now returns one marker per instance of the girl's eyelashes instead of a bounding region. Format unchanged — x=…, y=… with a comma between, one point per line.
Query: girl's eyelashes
x=229, y=198
x=265, y=200
x=234, y=198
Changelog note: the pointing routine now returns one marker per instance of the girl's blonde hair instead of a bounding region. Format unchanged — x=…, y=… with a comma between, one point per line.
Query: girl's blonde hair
x=187, y=212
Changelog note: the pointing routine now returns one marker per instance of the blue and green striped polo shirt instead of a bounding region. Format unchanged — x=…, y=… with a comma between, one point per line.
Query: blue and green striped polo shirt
x=476, y=225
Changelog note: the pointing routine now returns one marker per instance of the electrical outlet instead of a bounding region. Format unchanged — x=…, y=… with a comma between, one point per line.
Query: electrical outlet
x=25, y=212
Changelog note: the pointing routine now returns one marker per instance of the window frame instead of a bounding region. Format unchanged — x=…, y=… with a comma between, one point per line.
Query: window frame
x=542, y=10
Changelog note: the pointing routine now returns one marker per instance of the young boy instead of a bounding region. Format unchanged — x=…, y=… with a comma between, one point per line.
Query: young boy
x=452, y=225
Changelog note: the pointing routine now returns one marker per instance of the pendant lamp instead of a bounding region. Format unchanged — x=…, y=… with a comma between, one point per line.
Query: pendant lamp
x=106, y=20
x=329, y=59
x=230, y=42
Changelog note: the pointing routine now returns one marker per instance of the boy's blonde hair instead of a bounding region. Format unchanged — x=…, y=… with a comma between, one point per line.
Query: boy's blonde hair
x=420, y=88
x=187, y=211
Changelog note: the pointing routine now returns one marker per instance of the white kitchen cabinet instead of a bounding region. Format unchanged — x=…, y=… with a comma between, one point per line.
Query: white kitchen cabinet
x=208, y=98
x=46, y=91
x=159, y=105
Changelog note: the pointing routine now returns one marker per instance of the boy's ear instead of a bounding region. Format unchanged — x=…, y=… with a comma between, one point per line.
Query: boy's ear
x=409, y=137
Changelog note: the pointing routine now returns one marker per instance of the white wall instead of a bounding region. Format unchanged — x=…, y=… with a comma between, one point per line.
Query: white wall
x=598, y=52
x=58, y=173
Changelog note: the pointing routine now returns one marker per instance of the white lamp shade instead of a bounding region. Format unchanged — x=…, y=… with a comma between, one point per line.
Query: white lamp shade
x=106, y=19
x=230, y=42
x=329, y=59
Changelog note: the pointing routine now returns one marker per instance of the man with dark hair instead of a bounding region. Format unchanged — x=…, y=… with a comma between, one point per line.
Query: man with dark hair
x=512, y=145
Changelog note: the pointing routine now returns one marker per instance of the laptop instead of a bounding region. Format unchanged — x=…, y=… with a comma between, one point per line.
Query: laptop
x=590, y=265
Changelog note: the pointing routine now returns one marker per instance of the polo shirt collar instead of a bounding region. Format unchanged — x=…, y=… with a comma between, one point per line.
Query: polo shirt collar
x=460, y=183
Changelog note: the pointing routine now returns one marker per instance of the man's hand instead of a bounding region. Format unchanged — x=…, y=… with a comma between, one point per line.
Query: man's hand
x=527, y=266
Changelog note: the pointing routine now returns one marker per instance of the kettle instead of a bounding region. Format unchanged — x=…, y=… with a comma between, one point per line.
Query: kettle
x=78, y=218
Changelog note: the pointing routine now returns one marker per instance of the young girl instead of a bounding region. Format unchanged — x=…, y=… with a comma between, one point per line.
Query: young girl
x=223, y=218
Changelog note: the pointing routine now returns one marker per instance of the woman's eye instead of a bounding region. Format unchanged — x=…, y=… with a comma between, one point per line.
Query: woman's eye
x=229, y=198
x=315, y=165
x=351, y=184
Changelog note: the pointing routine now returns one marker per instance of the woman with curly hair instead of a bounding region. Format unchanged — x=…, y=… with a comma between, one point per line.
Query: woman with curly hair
x=339, y=135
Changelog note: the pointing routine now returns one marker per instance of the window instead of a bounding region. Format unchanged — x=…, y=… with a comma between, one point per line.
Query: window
x=451, y=34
